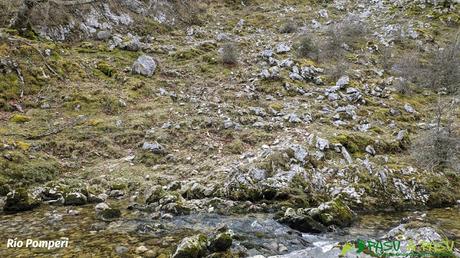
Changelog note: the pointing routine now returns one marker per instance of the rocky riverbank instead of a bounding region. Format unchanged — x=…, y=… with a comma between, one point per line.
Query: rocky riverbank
x=282, y=124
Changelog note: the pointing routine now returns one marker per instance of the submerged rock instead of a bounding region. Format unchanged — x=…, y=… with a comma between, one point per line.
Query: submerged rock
x=108, y=214
x=192, y=247
x=412, y=231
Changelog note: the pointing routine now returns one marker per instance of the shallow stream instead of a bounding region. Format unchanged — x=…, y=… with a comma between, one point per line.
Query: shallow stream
x=254, y=233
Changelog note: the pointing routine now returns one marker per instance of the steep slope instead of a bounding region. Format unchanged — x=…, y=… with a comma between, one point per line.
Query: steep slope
x=276, y=129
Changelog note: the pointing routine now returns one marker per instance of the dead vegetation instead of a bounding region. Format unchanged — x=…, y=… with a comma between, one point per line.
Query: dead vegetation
x=439, y=147
x=341, y=36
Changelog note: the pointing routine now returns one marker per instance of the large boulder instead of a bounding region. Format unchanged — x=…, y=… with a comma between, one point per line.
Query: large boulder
x=145, y=65
x=192, y=247
x=19, y=200
x=301, y=221
x=334, y=212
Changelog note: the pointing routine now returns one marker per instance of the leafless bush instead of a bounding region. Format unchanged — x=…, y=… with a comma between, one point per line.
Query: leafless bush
x=288, y=27
x=440, y=146
x=410, y=70
x=307, y=47
x=387, y=57
x=342, y=35
x=339, y=68
x=444, y=71
x=229, y=54
x=440, y=71
x=188, y=11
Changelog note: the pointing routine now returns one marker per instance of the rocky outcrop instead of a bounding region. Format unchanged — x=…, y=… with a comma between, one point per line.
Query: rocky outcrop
x=83, y=19
x=316, y=220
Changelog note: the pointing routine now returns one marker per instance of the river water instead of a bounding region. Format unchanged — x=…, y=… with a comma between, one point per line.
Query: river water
x=254, y=233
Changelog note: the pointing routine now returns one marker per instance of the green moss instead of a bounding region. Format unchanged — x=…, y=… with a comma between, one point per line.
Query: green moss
x=255, y=136
x=276, y=160
x=118, y=186
x=22, y=169
x=277, y=106
x=245, y=192
x=5, y=106
x=19, y=118
x=187, y=54
x=110, y=105
x=336, y=213
x=443, y=191
x=209, y=58
x=270, y=86
x=353, y=143
x=148, y=25
x=356, y=143
x=106, y=69
x=10, y=87
x=150, y=159
x=194, y=246
x=221, y=242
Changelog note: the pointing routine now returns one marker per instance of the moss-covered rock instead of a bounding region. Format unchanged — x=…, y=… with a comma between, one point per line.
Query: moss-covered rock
x=334, y=212
x=443, y=190
x=155, y=194
x=19, y=200
x=300, y=221
x=221, y=242
x=192, y=247
x=75, y=198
